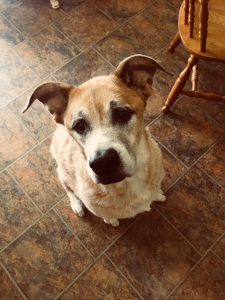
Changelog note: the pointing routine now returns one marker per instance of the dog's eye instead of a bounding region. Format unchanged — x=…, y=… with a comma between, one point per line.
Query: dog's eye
x=81, y=126
x=122, y=115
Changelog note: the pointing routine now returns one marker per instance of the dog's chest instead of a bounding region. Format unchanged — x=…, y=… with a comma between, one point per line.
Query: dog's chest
x=124, y=200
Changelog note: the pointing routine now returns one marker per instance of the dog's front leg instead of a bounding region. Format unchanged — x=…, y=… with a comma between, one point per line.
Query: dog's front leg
x=113, y=222
x=76, y=204
x=161, y=197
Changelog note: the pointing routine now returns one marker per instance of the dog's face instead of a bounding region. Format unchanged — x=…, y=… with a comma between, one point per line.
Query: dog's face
x=106, y=119
x=104, y=116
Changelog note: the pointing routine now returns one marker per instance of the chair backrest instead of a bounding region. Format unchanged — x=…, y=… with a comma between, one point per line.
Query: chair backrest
x=191, y=20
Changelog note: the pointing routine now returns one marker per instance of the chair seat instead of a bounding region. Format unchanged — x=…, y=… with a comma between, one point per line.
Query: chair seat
x=216, y=31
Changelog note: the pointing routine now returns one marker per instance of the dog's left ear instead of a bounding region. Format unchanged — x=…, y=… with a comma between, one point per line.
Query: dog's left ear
x=137, y=72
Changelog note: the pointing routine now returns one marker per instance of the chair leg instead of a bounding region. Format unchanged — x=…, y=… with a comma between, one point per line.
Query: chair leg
x=194, y=77
x=174, y=43
x=180, y=82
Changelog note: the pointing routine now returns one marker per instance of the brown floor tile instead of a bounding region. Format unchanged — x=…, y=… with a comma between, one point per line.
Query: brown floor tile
x=17, y=212
x=102, y=281
x=15, y=77
x=7, y=289
x=121, y=10
x=82, y=68
x=173, y=169
x=37, y=119
x=90, y=23
x=196, y=206
x=153, y=107
x=153, y=256
x=124, y=42
x=9, y=35
x=47, y=51
x=214, y=162
x=205, y=282
x=214, y=83
x=32, y=16
x=151, y=19
x=185, y=131
x=176, y=3
x=9, y=3
x=220, y=248
x=68, y=5
x=14, y=139
x=36, y=173
x=45, y=259
x=92, y=231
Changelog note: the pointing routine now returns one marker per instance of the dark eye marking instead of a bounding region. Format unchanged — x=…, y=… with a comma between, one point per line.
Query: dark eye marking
x=81, y=126
x=121, y=115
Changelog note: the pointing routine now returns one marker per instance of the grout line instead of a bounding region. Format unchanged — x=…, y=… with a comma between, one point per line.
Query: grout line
x=179, y=232
x=31, y=225
x=57, y=69
x=211, y=177
x=155, y=119
x=128, y=19
x=207, y=151
x=23, y=190
x=217, y=256
x=13, y=281
x=14, y=26
x=210, y=249
x=22, y=124
x=178, y=179
x=86, y=269
x=40, y=80
x=27, y=36
x=97, y=258
x=124, y=277
x=66, y=36
x=73, y=232
x=183, y=279
x=170, y=152
x=103, y=57
x=103, y=12
x=25, y=91
x=26, y=153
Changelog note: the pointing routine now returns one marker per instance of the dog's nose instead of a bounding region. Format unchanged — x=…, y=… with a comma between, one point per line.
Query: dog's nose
x=104, y=161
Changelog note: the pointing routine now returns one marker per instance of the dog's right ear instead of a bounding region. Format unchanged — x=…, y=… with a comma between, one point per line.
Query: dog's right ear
x=54, y=95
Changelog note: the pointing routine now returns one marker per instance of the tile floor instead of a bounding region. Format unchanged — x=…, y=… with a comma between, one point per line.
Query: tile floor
x=177, y=251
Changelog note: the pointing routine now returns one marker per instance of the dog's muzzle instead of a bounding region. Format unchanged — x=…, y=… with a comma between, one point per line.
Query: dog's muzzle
x=107, y=166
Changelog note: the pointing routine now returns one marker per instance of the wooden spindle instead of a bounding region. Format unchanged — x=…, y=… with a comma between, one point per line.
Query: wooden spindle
x=191, y=18
x=203, y=24
x=186, y=11
x=179, y=84
x=194, y=77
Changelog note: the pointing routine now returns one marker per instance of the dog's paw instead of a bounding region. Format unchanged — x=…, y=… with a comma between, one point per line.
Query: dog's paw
x=113, y=222
x=161, y=198
x=78, y=208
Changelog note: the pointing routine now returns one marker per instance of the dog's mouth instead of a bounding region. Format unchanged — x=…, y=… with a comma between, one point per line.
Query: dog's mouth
x=110, y=179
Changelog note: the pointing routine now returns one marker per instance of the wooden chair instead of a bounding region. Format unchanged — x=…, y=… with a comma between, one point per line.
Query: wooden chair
x=201, y=25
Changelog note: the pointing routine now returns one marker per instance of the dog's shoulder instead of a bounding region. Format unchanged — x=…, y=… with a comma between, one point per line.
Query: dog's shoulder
x=63, y=145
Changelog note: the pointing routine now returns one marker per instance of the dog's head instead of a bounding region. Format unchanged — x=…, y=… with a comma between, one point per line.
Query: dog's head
x=104, y=116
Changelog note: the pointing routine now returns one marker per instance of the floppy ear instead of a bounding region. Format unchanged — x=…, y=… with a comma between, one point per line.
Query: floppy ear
x=54, y=96
x=137, y=72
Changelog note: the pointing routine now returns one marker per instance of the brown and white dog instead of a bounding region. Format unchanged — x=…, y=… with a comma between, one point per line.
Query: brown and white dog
x=107, y=161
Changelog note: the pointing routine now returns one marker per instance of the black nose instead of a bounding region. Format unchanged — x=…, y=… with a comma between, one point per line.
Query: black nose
x=104, y=161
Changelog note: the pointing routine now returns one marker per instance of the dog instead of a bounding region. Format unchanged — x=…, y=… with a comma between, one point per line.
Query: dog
x=107, y=161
